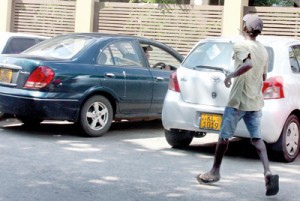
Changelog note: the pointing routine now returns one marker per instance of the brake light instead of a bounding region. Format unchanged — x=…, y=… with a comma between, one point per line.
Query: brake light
x=273, y=88
x=39, y=78
x=173, y=83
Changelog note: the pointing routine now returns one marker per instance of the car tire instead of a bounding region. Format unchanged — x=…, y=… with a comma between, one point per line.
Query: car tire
x=96, y=116
x=287, y=147
x=179, y=138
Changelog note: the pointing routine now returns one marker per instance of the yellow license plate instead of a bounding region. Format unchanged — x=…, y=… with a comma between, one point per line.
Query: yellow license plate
x=211, y=121
x=5, y=75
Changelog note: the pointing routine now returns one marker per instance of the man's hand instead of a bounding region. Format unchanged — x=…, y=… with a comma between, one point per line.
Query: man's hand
x=227, y=81
x=247, y=65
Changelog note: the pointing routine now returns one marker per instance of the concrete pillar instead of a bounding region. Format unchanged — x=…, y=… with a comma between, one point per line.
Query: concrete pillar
x=5, y=15
x=84, y=20
x=199, y=2
x=232, y=17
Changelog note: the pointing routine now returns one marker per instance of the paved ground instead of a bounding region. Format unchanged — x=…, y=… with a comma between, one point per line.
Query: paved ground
x=132, y=162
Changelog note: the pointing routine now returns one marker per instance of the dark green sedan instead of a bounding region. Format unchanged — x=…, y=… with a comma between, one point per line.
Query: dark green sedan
x=90, y=79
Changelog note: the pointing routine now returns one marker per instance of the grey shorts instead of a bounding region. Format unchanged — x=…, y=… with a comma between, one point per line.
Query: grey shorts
x=232, y=116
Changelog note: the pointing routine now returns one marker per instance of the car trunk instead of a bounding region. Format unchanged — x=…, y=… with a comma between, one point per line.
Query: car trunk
x=15, y=69
x=203, y=86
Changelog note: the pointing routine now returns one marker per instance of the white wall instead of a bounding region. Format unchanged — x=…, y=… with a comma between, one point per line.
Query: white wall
x=5, y=15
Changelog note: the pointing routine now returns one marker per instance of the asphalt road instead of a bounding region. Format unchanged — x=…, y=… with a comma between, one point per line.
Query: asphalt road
x=132, y=162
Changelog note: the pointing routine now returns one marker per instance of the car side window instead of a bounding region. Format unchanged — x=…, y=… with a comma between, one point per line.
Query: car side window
x=122, y=53
x=105, y=57
x=294, y=54
x=159, y=58
x=17, y=45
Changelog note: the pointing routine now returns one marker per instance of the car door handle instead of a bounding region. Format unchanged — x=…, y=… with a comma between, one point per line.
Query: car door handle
x=110, y=75
x=160, y=78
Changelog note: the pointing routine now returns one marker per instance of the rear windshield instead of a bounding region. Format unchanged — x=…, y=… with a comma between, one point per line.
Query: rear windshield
x=18, y=44
x=60, y=47
x=216, y=54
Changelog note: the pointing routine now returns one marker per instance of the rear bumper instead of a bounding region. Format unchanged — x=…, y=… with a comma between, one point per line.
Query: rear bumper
x=177, y=114
x=43, y=108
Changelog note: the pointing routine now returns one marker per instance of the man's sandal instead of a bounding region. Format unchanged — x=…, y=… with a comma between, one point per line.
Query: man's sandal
x=207, y=178
x=272, y=184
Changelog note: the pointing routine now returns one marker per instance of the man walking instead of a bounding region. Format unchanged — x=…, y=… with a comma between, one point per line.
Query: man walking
x=245, y=102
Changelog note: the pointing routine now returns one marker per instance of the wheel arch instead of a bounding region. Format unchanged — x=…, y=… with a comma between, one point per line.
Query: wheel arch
x=106, y=94
x=282, y=153
x=296, y=113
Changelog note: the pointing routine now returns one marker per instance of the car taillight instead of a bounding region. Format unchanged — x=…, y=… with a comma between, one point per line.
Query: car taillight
x=39, y=78
x=273, y=88
x=173, y=83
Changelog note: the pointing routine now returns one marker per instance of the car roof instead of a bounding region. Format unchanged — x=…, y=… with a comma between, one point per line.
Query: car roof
x=10, y=34
x=266, y=40
x=102, y=35
x=109, y=36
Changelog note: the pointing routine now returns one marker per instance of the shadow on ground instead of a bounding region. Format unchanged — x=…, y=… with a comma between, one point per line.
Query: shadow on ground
x=69, y=129
x=238, y=147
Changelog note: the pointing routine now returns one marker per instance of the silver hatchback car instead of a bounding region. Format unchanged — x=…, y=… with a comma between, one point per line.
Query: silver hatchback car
x=197, y=95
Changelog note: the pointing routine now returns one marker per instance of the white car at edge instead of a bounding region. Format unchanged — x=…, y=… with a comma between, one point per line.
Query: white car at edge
x=197, y=96
x=14, y=43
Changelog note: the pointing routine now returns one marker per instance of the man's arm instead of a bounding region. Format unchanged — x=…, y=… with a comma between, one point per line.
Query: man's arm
x=247, y=65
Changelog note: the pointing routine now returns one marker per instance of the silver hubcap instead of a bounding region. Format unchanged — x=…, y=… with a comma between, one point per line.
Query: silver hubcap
x=97, y=116
x=292, y=139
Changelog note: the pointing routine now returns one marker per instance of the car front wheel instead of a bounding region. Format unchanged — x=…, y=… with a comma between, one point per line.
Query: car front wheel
x=179, y=138
x=96, y=116
x=287, y=146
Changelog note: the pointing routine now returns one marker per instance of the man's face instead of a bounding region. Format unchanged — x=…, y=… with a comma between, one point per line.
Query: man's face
x=147, y=54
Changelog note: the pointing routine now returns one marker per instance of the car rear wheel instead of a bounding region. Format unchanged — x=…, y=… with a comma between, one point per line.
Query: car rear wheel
x=179, y=138
x=96, y=116
x=287, y=146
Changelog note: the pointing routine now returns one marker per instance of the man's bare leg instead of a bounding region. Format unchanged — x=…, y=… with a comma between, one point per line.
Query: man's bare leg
x=262, y=153
x=272, y=181
x=214, y=174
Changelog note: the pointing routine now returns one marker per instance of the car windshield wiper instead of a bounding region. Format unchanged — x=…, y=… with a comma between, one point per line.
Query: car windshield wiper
x=223, y=70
